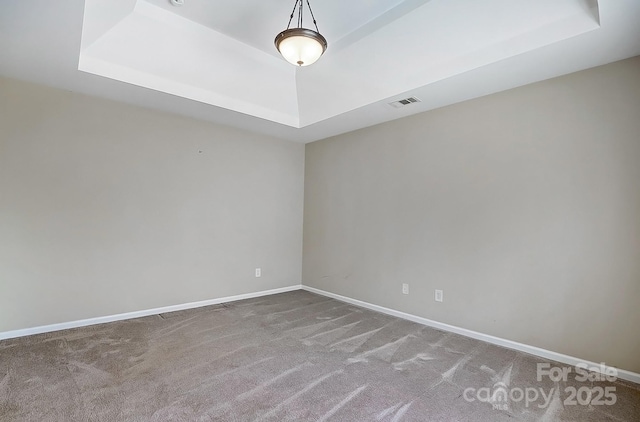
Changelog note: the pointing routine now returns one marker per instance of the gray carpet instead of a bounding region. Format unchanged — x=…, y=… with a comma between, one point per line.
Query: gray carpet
x=288, y=357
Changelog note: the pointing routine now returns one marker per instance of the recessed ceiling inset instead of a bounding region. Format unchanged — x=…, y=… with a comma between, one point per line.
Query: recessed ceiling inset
x=383, y=48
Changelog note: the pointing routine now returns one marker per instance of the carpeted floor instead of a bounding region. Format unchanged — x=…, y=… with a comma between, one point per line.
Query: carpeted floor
x=288, y=357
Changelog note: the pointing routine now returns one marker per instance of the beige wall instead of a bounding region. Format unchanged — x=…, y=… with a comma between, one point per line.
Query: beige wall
x=523, y=206
x=108, y=208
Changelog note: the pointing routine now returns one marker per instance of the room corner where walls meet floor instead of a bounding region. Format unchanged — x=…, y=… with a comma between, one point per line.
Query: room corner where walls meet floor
x=294, y=356
x=536, y=351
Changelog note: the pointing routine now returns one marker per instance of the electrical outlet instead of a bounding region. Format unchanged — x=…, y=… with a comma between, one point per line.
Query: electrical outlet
x=439, y=296
x=405, y=289
x=258, y=272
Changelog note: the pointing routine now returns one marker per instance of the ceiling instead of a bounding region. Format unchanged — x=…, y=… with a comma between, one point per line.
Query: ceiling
x=215, y=60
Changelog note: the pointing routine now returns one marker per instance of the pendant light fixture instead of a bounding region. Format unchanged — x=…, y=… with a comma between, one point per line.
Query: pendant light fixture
x=301, y=46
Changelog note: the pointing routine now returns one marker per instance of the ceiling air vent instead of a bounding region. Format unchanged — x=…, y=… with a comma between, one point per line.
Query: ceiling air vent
x=404, y=102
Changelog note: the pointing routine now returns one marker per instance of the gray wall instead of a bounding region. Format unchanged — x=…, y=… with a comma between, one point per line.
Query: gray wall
x=108, y=208
x=523, y=206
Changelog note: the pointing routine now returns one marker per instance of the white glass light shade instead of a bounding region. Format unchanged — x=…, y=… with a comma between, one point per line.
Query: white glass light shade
x=300, y=46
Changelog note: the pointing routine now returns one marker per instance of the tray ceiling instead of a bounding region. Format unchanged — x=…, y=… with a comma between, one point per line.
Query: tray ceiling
x=215, y=60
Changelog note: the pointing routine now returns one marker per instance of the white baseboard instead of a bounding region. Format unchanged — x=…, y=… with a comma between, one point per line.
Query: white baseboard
x=547, y=354
x=138, y=314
